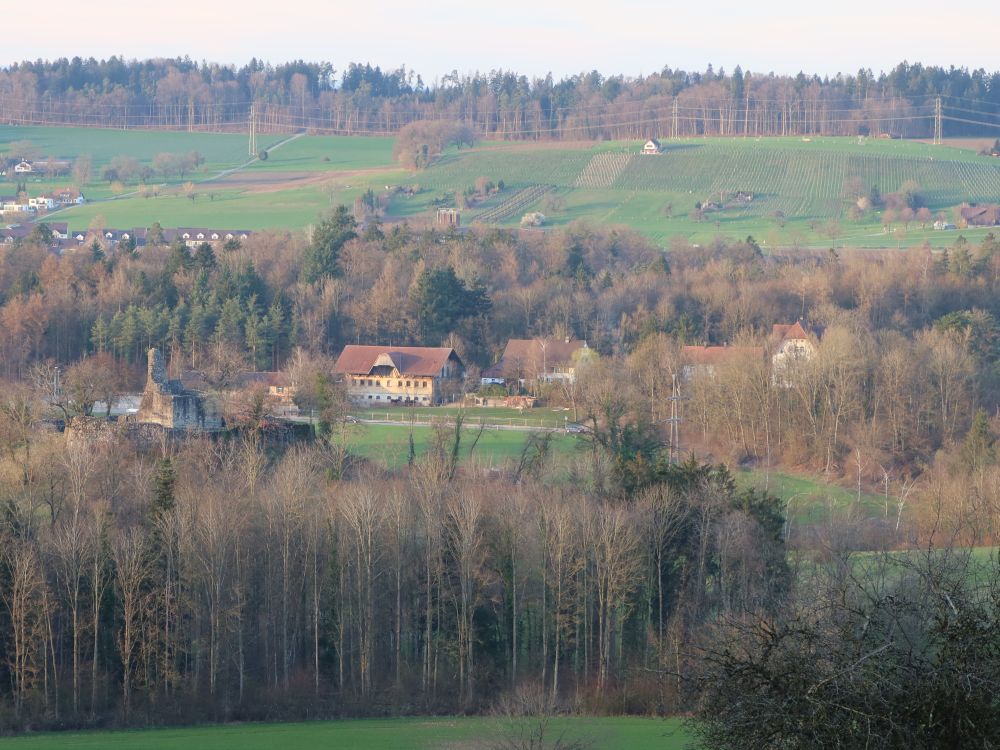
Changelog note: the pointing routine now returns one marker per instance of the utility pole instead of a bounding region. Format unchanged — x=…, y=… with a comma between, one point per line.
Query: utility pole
x=938, y=140
x=673, y=127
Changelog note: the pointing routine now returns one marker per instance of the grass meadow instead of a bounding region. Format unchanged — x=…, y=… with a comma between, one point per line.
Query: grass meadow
x=417, y=733
x=389, y=445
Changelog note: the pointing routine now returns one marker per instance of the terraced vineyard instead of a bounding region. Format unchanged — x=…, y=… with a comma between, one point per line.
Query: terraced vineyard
x=808, y=184
x=603, y=169
x=517, y=166
x=517, y=202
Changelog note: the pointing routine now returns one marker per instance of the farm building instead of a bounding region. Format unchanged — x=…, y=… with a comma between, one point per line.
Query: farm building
x=652, y=147
x=981, y=215
x=383, y=376
x=537, y=360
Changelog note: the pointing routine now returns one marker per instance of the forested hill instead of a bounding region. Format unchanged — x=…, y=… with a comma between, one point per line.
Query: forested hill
x=184, y=94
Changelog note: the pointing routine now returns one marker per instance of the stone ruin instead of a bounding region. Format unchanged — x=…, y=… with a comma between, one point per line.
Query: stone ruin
x=168, y=403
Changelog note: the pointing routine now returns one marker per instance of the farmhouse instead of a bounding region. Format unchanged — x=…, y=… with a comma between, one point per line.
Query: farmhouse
x=708, y=360
x=981, y=215
x=382, y=375
x=652, y=147
x=537, y=360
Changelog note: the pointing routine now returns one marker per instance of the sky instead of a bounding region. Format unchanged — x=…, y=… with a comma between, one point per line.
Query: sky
x=434, y=37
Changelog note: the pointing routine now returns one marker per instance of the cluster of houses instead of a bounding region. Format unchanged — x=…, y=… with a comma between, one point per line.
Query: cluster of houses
x=383, y=376
x=138, y=237
x=789, y=344
x=40, y=166
x=59, y=198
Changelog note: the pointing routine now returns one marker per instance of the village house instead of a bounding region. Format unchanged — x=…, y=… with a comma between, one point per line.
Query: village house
x=66, y=197
x=195, y=236
x=10, y=204
x=708, y=360
x=652, y=147
x=791, y=344
x=42, y=203
x=536, y=360
x=382, y=375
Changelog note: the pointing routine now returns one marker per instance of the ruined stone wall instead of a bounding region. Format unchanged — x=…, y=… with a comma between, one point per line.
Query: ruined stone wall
x=166, y=403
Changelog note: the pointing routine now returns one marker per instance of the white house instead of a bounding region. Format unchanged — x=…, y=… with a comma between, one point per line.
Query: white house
x=652, y=146
x=23, y=167
x=792, y=344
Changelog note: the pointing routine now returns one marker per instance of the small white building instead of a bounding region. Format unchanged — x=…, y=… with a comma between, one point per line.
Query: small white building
x=24, y=167
x=652, y=147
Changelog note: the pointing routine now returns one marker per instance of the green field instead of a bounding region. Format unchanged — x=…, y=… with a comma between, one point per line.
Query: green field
x=605, y=183
x=390, y=444
x=809, y=500
x=472, y=733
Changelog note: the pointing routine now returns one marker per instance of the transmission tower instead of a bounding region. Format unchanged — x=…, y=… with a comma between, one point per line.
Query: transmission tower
x=675, y=420
x=253, y=130
x=673, y=126
x=938, y=140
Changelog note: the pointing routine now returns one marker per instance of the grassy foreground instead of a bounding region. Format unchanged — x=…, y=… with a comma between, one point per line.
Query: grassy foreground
x=606, y=733
x=390, y=444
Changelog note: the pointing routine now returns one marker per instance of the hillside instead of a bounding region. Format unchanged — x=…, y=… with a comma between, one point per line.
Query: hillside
x=796, y=187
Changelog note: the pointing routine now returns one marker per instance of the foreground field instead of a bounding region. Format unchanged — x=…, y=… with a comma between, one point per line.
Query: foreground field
x=797, y=184
x=389, y=445
x=472, y=733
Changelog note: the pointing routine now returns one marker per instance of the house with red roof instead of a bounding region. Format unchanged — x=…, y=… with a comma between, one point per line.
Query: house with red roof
x=399, y=375
x=791, y=345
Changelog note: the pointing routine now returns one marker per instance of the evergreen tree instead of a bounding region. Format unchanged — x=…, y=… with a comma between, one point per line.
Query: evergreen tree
x=329, y=238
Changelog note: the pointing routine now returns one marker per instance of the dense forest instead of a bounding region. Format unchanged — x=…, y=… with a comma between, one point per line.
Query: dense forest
x=241, y=578
x=184, y=94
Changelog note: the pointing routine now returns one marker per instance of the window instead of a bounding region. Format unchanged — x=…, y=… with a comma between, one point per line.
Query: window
x=378, y=383
x=407, y=383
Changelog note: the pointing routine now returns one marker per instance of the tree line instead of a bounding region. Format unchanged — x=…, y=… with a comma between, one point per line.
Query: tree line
x=183, y=94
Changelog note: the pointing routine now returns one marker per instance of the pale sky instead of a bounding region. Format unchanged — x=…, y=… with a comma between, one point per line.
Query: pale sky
x=437, y=36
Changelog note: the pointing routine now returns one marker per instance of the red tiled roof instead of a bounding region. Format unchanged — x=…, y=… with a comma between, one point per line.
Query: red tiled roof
x=717, y=355
x=526, y=357
x=408, y=360
x=782, y=331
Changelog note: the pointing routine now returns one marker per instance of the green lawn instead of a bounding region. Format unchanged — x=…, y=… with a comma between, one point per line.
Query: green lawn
x=810, y=500
x=219, y=149
x=540, y=417
x=390, y=445
x=325, y=153
x=474, y=733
